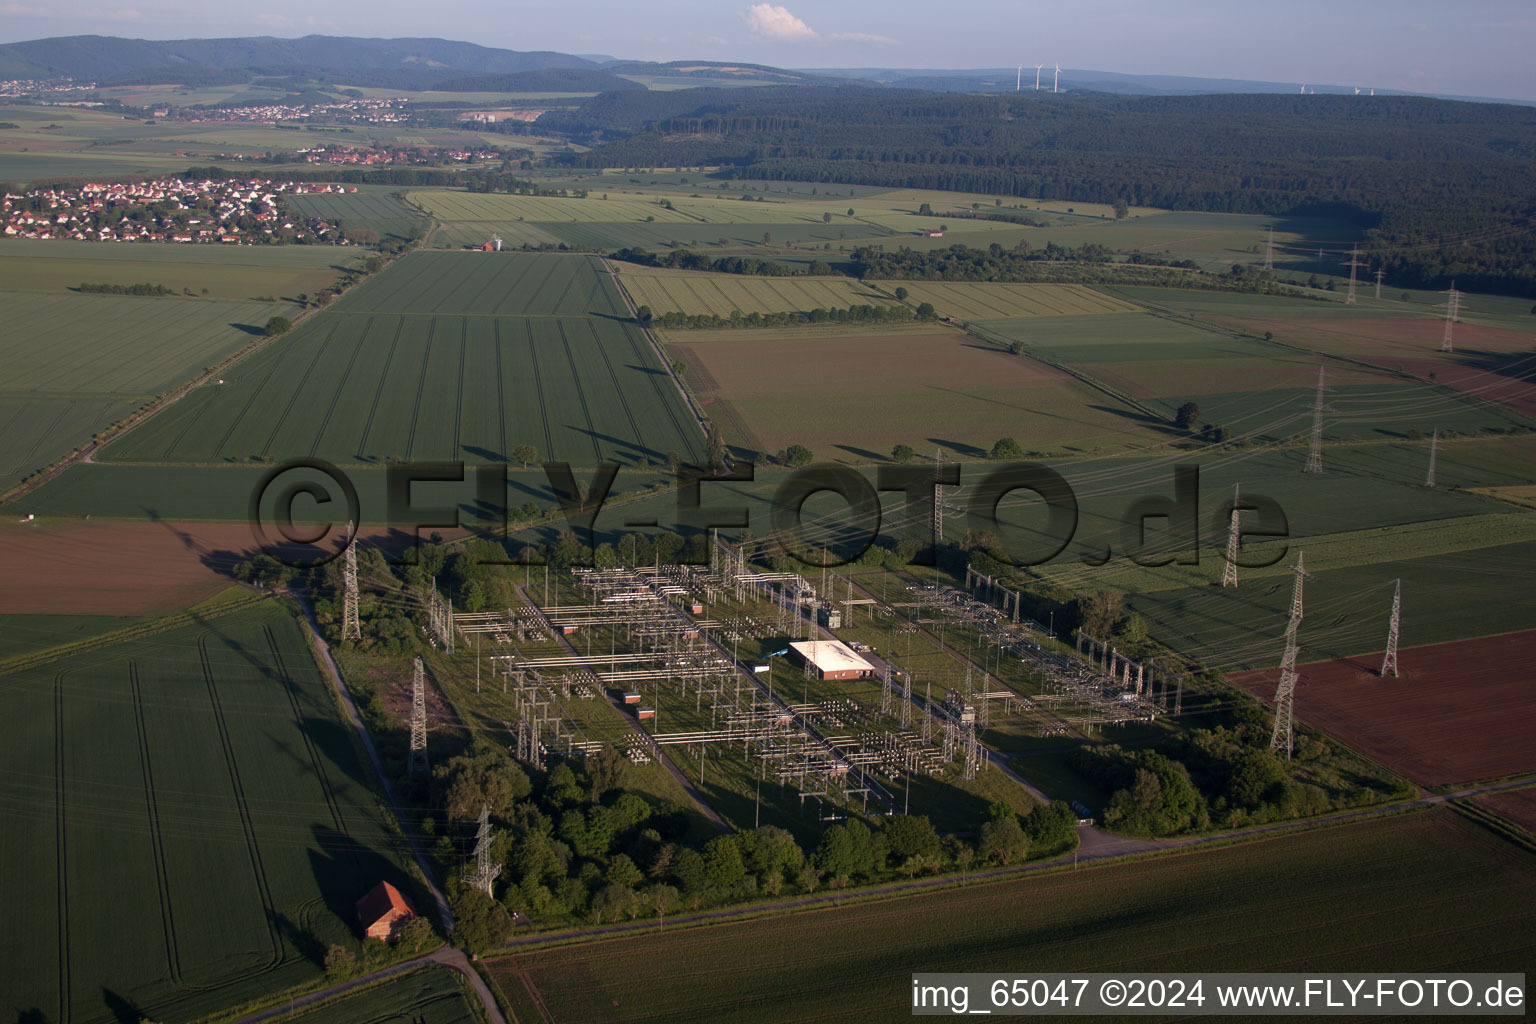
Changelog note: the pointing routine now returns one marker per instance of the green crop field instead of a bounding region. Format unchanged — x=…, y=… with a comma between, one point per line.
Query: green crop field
x=201, y=784
x=371, y=207
x=1450, y=595
x=968, y=301
x=75, y=364
x=433, y=995
x=443, y=356
x=683, y=292
x=225, y=271
x=1422, y=892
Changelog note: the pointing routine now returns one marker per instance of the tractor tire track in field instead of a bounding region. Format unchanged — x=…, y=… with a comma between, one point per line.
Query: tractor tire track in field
x=378, y=392
x=501, y=395
x=661, y=396
x=557, y=308
x=538, y=383
x=50, y=432
x=421, y=389
x=277, y=363
x=581, y=394
x=156, y=840
x=248, y=826
x=341, y=384
x=513, y=290
x=458, y=408
x=293, y=399
x=61, y=854
x=618, y=390
x=290, y=689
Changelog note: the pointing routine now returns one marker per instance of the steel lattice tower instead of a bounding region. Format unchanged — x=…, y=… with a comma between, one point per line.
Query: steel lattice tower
x=351, y=629
x=1389, y=660
x=1434, y=448
x=1452, y=314
x=418, y=759
x=1285, y=692
x=1269, y=251
x=936, y=524
x=1354, y=264
x=1379, y=275
x=1234, y=537
x=1315, y=453
x=485, y=870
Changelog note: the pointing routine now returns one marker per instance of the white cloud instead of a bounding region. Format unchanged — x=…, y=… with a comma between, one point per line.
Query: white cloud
x=23, y=11
x=865, y=37
x=775, y=22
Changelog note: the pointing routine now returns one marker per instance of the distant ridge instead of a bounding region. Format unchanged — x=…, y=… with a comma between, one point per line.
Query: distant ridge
x=96, y=57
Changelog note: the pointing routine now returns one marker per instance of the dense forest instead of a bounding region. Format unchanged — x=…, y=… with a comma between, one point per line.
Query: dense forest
x=1440, y=189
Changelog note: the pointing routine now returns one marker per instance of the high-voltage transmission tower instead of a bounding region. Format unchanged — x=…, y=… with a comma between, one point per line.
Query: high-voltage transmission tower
x=1285, y=692
x=1315, y=453
x=1434, y=449
x=1452, y=314
x=1380, y=273
x=440, y=619
x=1389, y=660
x=1354, y=264
x=418, y=760
x=937, y=523
x=1234, y=537
x=1269, y=250
x=486, y=869
x=350, y=628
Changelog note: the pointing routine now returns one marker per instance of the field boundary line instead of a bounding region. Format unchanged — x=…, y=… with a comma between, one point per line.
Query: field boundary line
x=699, y=417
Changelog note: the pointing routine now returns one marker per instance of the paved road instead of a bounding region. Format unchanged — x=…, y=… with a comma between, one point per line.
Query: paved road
x=445, y=956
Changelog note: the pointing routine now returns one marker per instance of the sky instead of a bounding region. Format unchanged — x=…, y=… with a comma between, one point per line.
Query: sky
x=1476, y=48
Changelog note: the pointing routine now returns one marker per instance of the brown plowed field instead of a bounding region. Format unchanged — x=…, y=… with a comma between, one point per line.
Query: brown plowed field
x=119, y=568
x=1519, y=806
x=1459, y=712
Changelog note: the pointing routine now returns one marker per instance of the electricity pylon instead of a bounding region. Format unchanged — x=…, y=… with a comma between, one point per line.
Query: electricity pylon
x=1285, y=692
x=1315, y=453
x=418, y=758
x=1434, y=449
x=351, y=629
x=1389, y=660
x=1234, y=536
x=1354, y=264
x=1452, y=314
x=486, y=870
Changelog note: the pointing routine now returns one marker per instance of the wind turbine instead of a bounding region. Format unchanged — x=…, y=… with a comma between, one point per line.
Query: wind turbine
x=1357, y=90
x=1038, y=69
x=1056, y=82
x=1303, y=88
x=1020, y=84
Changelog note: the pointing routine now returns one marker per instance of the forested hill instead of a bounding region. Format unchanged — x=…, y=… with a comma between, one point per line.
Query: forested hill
x=95, y=57
x=1445, y=189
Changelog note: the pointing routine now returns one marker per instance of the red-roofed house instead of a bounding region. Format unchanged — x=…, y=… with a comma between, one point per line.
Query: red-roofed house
x=382, y=911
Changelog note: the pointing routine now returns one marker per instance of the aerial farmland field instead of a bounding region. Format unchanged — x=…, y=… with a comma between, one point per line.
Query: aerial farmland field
x=227, y=272
x=1457, y=712
x=667, y=291
x=1427, y=890
x=432, y=995
x=858, y=391
x=75, y=364
x=371, y=207
x=201, y=783
x=443, y=356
